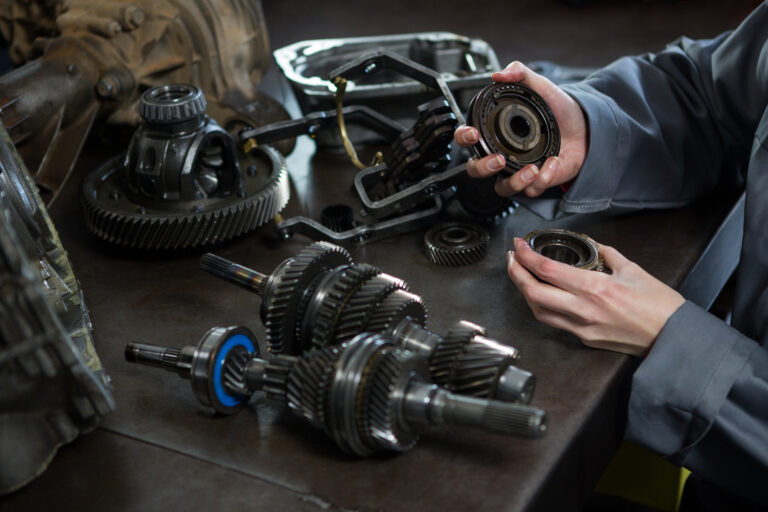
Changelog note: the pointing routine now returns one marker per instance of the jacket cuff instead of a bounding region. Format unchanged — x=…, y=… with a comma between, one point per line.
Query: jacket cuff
x=599, y=177
x=679, y=388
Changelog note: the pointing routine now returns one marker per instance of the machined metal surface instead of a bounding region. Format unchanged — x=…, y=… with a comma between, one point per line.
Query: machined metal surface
x=465, y=63
x=183, y=182
x=516, y=122
x=321, y=297
x=567, y=247
x=456, y=244
x=53, y=386
x=368, y=394
x=82, y=62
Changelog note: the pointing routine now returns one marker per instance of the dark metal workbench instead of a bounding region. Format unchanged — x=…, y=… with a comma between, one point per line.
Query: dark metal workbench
x=161, y=450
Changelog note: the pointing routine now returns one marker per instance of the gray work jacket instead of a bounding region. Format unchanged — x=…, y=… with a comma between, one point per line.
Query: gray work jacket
x=666, y=129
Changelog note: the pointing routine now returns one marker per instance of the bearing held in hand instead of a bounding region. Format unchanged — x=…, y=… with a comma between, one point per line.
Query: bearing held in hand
x=566, y=247
x=516, y=122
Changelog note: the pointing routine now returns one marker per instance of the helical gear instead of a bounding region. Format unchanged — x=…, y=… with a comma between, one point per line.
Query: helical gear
x=456, y=244
x=398, y=306
x=378, y=422
x=320, y=297
x=356, y=316
x=335, y=301
x=309, y=381
x=443, y=359
x=234, y=372
x=284, y=293
x=368, y=395
x=276, y=374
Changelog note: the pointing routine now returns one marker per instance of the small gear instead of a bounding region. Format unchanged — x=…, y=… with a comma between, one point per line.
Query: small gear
x=443, y=359
x=398, y=306
x=325, y=318
x=276, y=374
x=477, y=367
x=456, y=244
x=234, y=371
x=309, y=381
x=355, y=317
x=279, y=307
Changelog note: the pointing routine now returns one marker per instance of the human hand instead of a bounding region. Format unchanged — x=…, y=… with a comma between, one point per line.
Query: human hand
x=623, y=311
x=557, y=169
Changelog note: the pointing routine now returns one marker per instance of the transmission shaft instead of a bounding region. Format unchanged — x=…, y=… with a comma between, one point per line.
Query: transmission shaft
x=320, y=297
x=367, y=394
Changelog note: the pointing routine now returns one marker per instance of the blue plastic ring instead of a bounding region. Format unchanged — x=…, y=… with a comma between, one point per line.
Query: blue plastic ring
x=238, y=340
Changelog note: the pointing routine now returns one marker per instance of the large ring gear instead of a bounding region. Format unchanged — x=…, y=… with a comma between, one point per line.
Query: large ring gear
x=52, y=384
x=321, y=297
x=183, y=182
x=367, y=394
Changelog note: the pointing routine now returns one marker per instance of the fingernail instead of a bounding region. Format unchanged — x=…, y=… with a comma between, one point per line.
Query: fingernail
x=553, y=164
x=530, y=173
x=510, y=257
x=496, y=163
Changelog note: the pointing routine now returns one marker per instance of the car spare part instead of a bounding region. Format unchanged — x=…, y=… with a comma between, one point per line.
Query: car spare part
x=456, y=244
x=85, y=59
x=466, y=64
x=52, y=384
x=183, y=182
x=367, y=394
x=321, y=297
x=567, y=247
x=400, y=190
x=516, y=122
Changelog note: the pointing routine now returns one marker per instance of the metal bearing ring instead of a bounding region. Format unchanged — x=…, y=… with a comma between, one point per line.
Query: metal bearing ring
x=566, y=247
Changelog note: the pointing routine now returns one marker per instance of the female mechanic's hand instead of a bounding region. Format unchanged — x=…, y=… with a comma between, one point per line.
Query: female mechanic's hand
x=623, y=311
x=557, y=169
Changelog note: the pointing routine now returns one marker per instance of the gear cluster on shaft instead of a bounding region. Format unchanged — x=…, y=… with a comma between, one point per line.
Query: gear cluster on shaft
x=321, y=297
x=367, y=394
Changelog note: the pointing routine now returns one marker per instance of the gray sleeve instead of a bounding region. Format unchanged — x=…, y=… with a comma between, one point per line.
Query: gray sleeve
x=700, y=398
x=670, y=127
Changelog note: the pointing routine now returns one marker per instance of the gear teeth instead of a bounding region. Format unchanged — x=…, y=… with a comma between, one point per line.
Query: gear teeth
x=456, y=244
x=342, y=289
x=356, y=316
x=377, y=422
x=276, y=374
x=474, y=369
x=285, y=297
x=169, y=231
x=233, y=375
x=443, y=359
x=309, y=383
x=395, y=308
x=477, y=370
x=478, y=198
